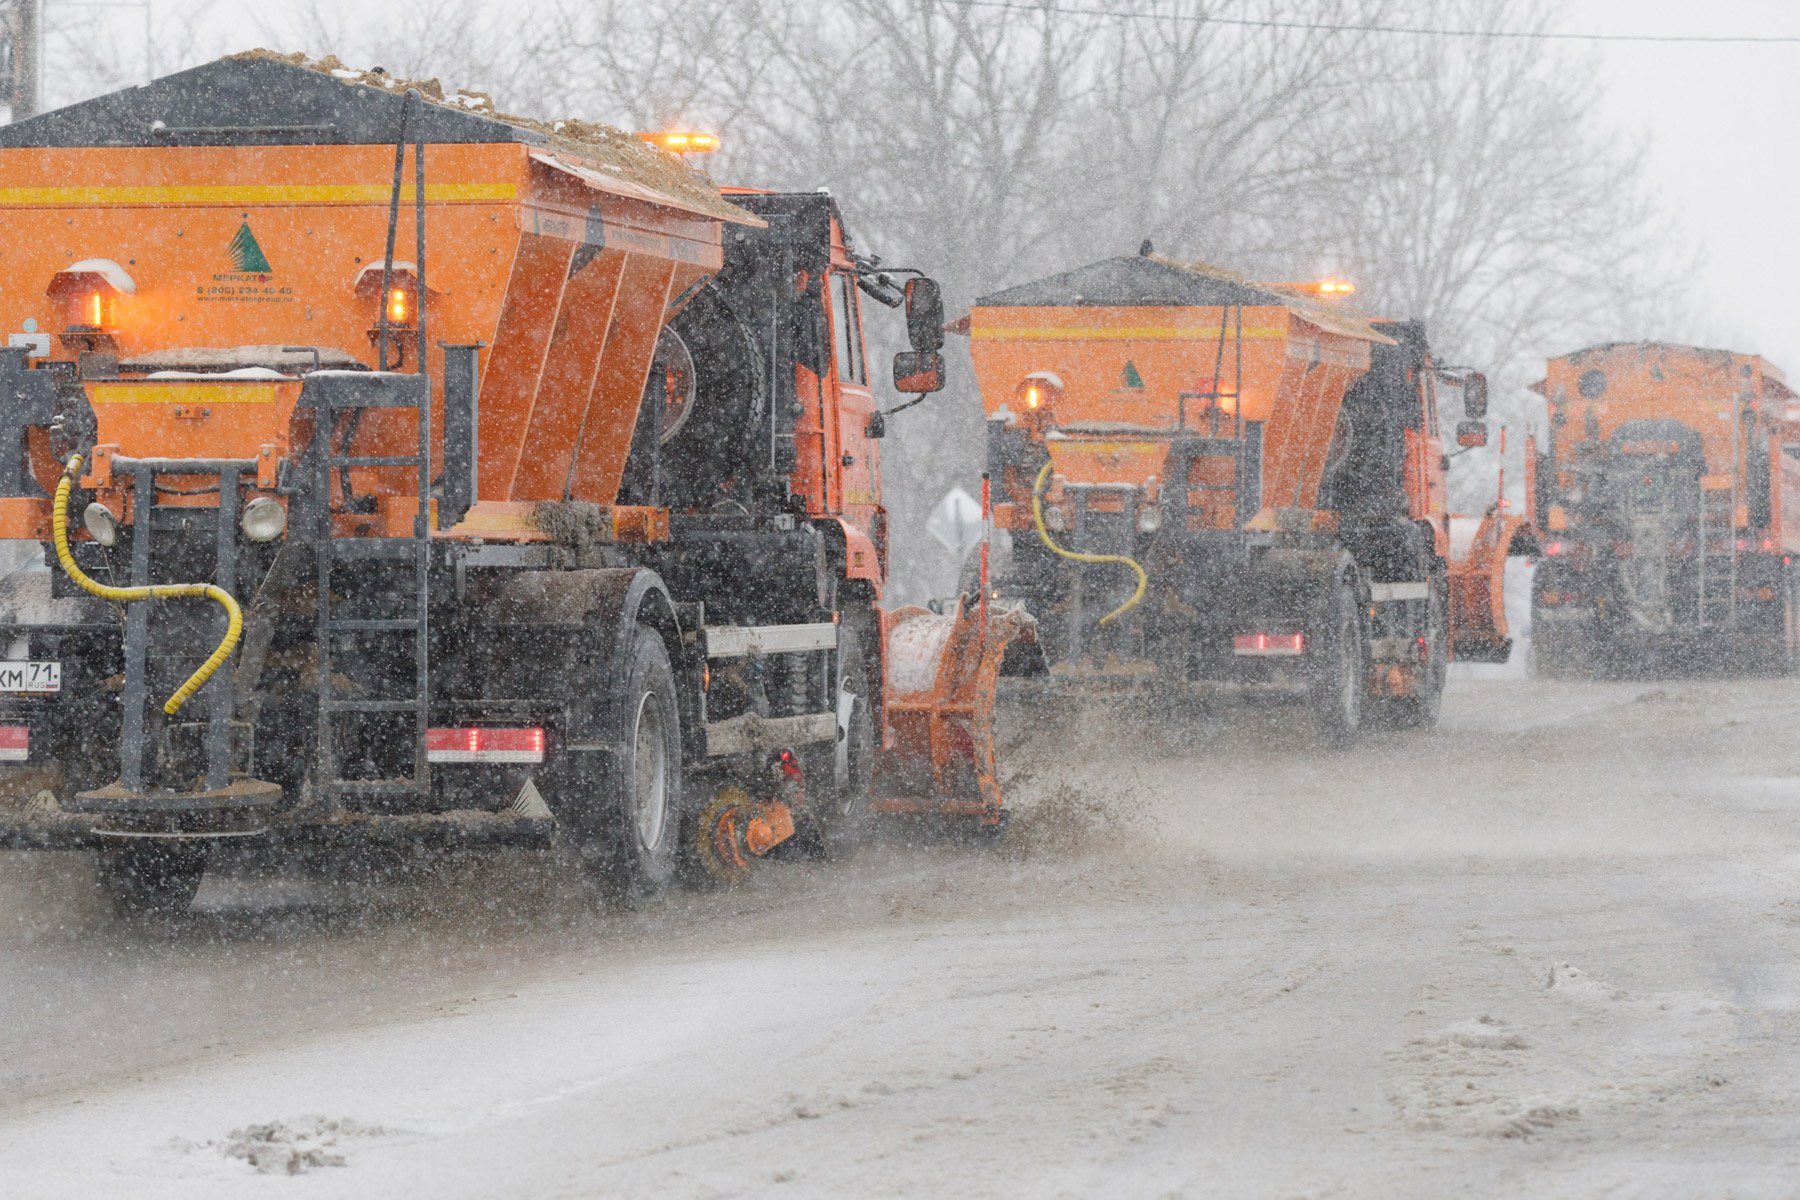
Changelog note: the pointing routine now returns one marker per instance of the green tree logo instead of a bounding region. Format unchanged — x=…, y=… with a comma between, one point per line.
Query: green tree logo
x=1132, y=378
x=247, y=257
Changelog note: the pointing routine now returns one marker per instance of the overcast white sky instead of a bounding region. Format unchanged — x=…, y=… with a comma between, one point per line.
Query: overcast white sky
x=1721, y=122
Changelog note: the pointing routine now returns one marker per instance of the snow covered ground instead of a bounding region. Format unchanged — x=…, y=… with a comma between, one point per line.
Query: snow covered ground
x=1551, y=950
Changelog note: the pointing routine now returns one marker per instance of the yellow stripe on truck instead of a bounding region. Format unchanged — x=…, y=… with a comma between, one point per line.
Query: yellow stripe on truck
x=182, y=393
x=1148, y=333
x=177, y=195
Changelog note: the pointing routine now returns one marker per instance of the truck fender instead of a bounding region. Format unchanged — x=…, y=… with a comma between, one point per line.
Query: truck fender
x=1297, y=584
x=613, y=600
x=861, y=560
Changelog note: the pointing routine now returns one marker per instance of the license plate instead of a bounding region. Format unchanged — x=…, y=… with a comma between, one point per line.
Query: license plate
x=38, y=677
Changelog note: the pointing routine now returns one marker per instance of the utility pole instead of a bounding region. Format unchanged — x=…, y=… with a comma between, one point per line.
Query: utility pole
x=24, y=36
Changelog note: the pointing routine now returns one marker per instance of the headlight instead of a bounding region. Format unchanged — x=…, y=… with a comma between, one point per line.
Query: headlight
x=1149, y=519
x=1053, y=517
x=101, y=525
x=264, y=519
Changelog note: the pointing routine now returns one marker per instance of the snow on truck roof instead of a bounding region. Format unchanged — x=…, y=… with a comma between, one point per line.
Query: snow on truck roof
x=1154, y=281
x=261, y=98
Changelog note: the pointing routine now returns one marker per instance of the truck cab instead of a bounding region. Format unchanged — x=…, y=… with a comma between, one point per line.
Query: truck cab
x=803, y=438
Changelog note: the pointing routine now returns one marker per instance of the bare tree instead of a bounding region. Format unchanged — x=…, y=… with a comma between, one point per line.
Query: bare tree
x=1460, y=180
x=1493, y=205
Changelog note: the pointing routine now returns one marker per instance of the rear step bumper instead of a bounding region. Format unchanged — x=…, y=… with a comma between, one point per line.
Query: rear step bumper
x=38, y=824
x=1100, y=685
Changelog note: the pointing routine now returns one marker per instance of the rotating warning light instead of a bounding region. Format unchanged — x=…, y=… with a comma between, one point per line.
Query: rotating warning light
x=391, y=293
x=399, y=305
x=1324, y=289
x=682, y=142
x=399, y=302
x=1038, y=393
x=88, y=292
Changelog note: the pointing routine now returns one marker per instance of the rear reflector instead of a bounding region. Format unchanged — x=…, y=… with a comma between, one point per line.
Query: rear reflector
x=1269, y=643
x=484, y=745
x=15, y=743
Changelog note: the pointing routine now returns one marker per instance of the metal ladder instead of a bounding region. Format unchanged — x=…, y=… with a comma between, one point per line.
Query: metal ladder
x=1217, y=434
x=1717, y=596
x=406, y=560
x=1653, y=525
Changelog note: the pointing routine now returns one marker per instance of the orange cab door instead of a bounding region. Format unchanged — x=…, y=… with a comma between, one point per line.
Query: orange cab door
x=1426, y=494
x=814, y=480
x=857, y=478
x=1437, y=491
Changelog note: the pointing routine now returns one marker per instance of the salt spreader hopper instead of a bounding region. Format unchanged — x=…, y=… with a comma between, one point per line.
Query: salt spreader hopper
x=409, y=473
x=1666, y=496
x=1214, y=485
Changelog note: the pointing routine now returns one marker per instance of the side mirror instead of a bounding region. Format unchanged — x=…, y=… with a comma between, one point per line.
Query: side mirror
x=1475, y=396
x=919, y=371
x=1471, y=434
x=924, y=315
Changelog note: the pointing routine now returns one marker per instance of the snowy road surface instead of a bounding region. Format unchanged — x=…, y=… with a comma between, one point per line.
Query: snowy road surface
x=1551, y=950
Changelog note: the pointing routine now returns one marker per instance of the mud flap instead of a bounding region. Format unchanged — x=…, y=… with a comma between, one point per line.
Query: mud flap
x=1478, y=631
x=937, y=743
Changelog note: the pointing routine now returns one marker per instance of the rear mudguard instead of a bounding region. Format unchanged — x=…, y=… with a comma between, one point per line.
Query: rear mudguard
x=937, y=744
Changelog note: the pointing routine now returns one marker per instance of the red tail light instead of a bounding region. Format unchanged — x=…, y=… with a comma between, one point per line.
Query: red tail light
x=1552, y=549
x=484, y=745
x=15, y=743
x=1280, y=644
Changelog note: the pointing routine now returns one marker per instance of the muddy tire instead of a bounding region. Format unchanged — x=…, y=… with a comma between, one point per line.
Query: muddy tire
x=150, y=877
x=839, y=777
x=640, y=805
x=1340, y=669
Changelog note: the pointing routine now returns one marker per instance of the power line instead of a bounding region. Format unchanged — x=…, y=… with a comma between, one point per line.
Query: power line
x=1523, y=35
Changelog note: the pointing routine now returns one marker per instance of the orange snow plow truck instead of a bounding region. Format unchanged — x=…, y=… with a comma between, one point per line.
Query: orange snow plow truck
x=1212, y=485
x=1665, y=494
x=570, y=535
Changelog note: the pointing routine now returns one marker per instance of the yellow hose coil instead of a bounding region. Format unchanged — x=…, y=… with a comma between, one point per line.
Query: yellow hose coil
x=59, y=524
x=1037, y=513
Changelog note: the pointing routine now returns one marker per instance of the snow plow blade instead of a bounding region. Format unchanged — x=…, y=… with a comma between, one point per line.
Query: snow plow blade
x=938, y=728
x=1478, y=630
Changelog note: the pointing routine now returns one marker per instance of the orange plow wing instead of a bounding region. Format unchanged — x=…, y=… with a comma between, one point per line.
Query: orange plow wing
x=938, y=737
x=1478, y=631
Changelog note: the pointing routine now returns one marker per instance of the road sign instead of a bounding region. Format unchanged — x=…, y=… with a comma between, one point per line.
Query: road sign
x=956, y=522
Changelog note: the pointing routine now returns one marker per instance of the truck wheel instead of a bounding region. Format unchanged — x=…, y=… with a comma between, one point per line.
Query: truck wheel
x=642, y=801
x=150, y=877
x=1340, y=669
x=1420, y=710
x=839, y=778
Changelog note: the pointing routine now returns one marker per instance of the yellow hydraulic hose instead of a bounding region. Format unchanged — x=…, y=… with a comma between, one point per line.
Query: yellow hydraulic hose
x=1037, y=513
x=59, y=525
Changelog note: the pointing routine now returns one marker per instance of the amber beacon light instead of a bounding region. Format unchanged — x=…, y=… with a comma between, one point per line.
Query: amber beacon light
x=88, y=293
x=682, y=142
